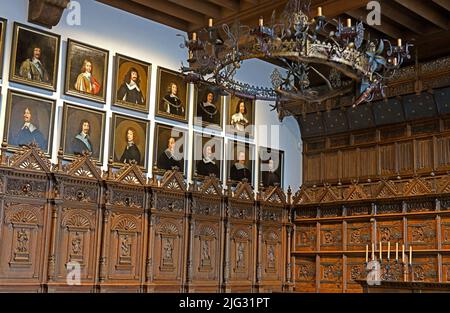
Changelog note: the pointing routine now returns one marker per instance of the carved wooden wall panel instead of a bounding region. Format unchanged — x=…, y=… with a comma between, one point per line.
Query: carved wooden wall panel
x=355, y=269
x=330, y=169
x=446, y=268
x=350, y=164
x=387, y=159
x=424, y=155
x=358, y=234
x=390, y=230
x=405, y=157
x=312, y=169
x=425, y=269
x=306, y=238
x=331, y=237
x=368, y=162
x=305, y=274
x=422, y=233
x=331, y=274
x=445, y=232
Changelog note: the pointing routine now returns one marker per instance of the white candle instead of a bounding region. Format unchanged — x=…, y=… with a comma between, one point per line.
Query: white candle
x=396, y=251
x=381, y=253
x=403, y=253
x=373, y=252
x=319, y=11
x=349, y=22
x=410, y=255
x=194, y=36
x=261, y=22
x=210, y=22
x=389, y=250
x=399, y=42
x=367, y=253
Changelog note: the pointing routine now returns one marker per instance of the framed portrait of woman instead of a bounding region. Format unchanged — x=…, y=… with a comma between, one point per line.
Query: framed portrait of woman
x=208, y=155
x=129, y=138
x=34, y=57
x=171, y=148
x=241, y=116
x=82, y=132
x=131, y=83
x=240, y=161
x=86, y=71
x=172, y=95
x=208, y=106
x=3, y=23
x=29, y=120
x=271, y=167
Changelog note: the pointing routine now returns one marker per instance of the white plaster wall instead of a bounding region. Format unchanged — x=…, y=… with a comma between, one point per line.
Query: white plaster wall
x=124, y=33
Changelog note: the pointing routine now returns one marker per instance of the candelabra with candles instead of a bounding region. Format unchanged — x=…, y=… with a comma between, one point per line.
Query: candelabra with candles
x=388, y=264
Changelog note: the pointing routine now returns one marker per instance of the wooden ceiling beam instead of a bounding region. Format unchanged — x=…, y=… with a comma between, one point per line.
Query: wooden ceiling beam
x=392, y=12
x=145, y=12
x=228, y=4
x=443, y=4
x=423, y=9
x=385, y=27
x=174, y=10
x=208, y=9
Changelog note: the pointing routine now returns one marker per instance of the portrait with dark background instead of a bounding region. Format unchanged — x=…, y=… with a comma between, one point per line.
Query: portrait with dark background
x=233, y=108
x=120, y=125
x=73, y=116
x=268, y=176
x=216, y=143
x=123, y=65
x=77, y=53
x=162, y=135
x=208, y=116
x=42, y=116
x=233, y=150
x=25, y=40
x=165, y=78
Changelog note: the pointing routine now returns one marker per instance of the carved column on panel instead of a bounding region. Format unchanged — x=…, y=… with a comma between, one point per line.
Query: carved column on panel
x=53, y=237
x=258, y=252
x=190, y=251
x=103, y=258
x=150, y=250
x=226, y=275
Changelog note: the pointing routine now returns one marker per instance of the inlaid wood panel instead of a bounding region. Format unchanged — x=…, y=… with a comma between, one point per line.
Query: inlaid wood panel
x=425, y=269
x=358, y=235
x=356, y=270
x=305, y=274
x=390, y=230
x=331, y=274
x=330, y=237
x=305, y=237
x=422, y=233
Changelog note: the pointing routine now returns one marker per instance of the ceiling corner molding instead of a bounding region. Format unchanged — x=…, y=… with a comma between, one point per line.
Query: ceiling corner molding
x=46, y=13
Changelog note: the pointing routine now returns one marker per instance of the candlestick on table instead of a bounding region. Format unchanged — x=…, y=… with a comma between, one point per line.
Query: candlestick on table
x=396, y=251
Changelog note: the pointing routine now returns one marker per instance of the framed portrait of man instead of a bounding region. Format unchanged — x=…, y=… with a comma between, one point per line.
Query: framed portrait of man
x=240, y=161
x=271, y=167
x=208, y=155
x=129, y=138
x=171, y=148
x=208, y=106
x=241, y=116
x=34, y=57
x=86, y=71
x=172, y=95
x=3, y=23
x=82, y=132
x=29, y=119
x=132, y=83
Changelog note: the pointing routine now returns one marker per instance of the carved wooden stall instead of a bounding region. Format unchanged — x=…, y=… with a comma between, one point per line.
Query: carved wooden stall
x=69, y=227
x=75, y=225
x=205, y=256
x=25, y=218
x=169, y=228
x=124, y=236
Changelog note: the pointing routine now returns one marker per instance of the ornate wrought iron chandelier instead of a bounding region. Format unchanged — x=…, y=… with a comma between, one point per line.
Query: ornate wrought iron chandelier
x=338, y=54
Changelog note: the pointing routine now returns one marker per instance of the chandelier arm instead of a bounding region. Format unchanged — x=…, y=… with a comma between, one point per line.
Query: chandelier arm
x=324, y=78
x=285, y=95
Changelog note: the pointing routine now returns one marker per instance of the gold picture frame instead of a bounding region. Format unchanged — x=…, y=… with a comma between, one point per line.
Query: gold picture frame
x=134, y=96
x=167, y=106
x=29, y=119
x=163, y=135
x=34, y=57
x=238, y=123
x=129, y=140
x=86, y=71
x=207, y=112
x=83, y=130
x=3, y=25
x=202, y=164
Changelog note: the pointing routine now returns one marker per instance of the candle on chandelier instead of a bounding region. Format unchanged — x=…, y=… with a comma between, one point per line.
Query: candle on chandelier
x=194, y=36
x=396, y=251
x=367, y=253
x=319, y=11
x=210, y=22
x=261, y=22
x=389, y=250
x=403, y=254
x=399, y=42
x=349, y=22
x=410, y=255
x=395, y=61
x=373, y=252
x=381, y=251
